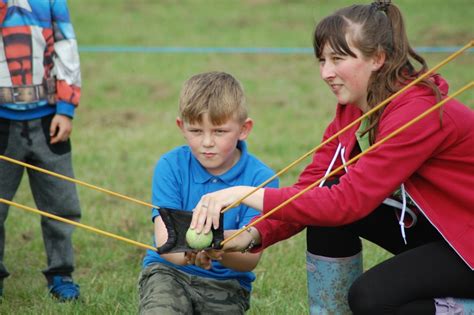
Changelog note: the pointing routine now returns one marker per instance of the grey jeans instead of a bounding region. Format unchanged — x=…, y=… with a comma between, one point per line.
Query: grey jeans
x=28, y=141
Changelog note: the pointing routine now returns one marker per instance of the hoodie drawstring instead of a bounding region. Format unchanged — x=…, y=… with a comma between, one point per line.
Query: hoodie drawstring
x=331, y=164
x=388, y=201
x=404, y=209
x=343, y=159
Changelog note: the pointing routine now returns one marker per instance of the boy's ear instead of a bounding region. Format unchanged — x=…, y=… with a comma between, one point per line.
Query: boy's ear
x=246, y=128
x=180, y=123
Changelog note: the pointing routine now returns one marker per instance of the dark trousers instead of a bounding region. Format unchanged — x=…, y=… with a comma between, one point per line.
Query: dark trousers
x=28, y=141
x=423, y=269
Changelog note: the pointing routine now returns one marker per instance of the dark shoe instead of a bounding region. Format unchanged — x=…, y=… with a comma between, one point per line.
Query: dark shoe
x=64, y=289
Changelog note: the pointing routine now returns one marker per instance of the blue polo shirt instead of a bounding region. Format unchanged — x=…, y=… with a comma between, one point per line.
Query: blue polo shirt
x=179, y=181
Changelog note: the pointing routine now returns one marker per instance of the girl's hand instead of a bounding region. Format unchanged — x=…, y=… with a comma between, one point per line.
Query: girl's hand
x=208, y=210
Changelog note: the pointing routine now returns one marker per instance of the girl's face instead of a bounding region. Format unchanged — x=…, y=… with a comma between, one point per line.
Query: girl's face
x=348, y=77
x=215, y=147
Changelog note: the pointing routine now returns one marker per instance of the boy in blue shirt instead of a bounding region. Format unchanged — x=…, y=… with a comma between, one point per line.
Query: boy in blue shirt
x=213, y=120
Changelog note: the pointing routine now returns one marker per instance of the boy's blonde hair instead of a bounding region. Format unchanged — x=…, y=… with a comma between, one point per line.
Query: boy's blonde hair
x=218, y=94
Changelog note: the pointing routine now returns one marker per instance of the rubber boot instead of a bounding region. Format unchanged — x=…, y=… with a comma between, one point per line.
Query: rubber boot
x=454, y=306
x=329, y=280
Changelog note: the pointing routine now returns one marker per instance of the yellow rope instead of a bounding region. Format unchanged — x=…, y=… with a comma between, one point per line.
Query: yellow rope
x=355, y=158
x=83, y=226
x=284, y=170
x=79, y=182
x=76, y=181
x=370, y=112
x=126, y=240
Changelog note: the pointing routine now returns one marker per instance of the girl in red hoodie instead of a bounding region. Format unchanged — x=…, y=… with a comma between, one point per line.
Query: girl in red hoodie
x=412, y=195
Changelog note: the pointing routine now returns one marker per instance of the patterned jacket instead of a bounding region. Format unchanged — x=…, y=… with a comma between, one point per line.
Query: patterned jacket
x=37, y=43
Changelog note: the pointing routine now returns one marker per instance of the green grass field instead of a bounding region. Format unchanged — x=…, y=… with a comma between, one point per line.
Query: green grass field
x=126, y=120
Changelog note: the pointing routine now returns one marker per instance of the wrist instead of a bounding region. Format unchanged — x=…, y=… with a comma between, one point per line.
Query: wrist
x=251, y=197
x=255, y=239
x=255, y=235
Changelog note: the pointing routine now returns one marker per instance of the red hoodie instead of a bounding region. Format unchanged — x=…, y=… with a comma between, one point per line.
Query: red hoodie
x=434, y=159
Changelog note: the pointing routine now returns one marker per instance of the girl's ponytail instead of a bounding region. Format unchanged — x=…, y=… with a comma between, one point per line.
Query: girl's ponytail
x=398, y=69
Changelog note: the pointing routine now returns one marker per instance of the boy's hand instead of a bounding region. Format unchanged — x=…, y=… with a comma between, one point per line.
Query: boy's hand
x=60, y=128
x=190, y=257
x=200, y=259
x=215, y=254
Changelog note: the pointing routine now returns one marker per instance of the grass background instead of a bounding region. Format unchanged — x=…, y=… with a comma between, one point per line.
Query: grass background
x=126, y=120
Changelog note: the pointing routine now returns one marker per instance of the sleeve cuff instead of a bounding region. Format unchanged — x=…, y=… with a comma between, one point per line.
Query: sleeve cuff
x=65, y=108
x=271, y=199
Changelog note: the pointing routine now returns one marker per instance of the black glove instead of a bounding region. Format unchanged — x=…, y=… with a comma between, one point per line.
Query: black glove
x=177, y=223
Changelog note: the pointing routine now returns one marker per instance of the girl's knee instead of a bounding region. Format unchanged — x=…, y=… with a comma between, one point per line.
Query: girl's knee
x=362, y=299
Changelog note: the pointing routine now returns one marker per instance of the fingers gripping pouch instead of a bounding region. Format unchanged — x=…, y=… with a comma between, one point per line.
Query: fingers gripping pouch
x=177, y=223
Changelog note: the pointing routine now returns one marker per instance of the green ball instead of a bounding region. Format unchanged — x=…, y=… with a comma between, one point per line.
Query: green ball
x=198, y=241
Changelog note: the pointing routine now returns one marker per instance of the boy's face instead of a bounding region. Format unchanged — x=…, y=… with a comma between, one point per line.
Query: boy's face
x=215, y=147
